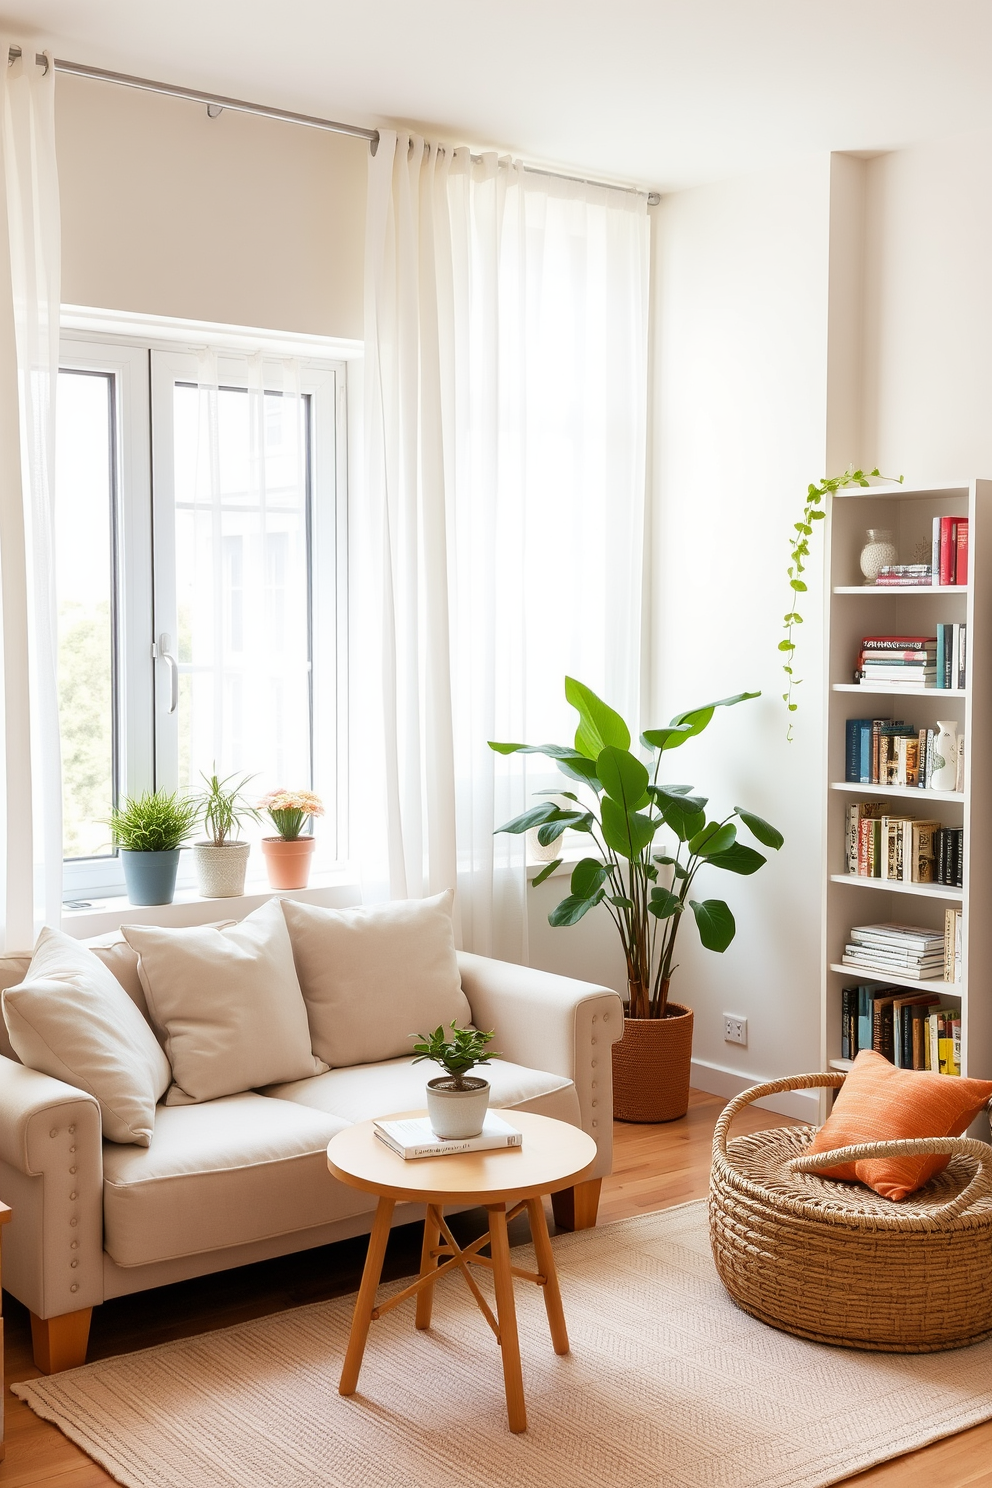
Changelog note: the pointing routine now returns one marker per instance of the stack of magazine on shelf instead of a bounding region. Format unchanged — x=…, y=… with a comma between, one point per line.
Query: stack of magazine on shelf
x=911, y=951
x=413, y=1136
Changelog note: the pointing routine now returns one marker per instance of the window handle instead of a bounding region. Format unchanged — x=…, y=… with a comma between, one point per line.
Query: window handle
x=163, y=651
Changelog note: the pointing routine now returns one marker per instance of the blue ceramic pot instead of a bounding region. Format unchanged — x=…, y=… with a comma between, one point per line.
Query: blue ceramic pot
x=150, y=876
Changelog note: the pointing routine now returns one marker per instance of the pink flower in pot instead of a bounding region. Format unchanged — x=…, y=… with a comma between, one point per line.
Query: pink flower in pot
x=287, y=856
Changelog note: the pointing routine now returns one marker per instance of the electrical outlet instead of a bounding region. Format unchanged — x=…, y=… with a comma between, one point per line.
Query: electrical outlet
x=734, y=1029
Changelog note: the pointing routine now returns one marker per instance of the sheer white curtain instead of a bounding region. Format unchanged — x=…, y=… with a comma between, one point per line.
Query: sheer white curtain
x=499, y=534
x=241, y=535
x=30, y=773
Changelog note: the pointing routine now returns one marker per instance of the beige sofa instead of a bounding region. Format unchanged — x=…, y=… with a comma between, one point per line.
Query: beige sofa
x=239, y=1179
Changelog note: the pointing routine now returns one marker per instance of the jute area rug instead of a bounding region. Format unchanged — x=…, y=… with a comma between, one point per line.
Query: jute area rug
x=668, y=1385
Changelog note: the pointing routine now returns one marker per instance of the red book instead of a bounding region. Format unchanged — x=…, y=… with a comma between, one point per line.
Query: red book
x=961, y=568
x=948, y=548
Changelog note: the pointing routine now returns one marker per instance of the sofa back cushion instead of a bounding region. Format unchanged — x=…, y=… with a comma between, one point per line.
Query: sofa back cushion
x=373, y=976
x=228, y=1003
x=71, y=1018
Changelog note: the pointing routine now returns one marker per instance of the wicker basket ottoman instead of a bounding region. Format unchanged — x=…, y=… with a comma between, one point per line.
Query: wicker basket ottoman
x=837, y=1263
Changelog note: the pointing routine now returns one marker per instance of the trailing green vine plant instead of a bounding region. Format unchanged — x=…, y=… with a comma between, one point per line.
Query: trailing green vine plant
x=813, y=511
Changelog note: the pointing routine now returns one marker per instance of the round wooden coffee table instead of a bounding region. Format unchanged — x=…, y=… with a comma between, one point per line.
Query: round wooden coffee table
x=554, y=1155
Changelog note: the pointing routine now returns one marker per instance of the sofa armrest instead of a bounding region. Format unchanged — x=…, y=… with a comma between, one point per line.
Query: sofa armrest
x=51, y=1174
x=552, y=1023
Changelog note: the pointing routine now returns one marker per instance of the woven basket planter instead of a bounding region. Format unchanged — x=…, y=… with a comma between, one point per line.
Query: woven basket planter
x=651, y=1065
x=220, y=870
x=837, y=1263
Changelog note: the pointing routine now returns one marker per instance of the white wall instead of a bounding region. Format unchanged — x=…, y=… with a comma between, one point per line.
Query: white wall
x=928, y=311
x=237, y=219
x=741, y=384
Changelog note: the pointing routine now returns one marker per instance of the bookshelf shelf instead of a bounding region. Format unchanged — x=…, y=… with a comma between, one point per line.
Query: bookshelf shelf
x=905, y=792
x=890, y=979
x=895, y=691
x=901, y=589
x=893, y=886
x=855, y=610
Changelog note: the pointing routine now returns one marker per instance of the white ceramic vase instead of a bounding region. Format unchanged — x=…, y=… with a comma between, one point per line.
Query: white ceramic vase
x=878, y=550
x=945, y=756
x=457, y=1114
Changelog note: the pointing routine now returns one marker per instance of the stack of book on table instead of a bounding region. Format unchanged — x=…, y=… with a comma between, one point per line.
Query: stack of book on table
x=910, y=951
x=910, y=1029
x=413, y=1136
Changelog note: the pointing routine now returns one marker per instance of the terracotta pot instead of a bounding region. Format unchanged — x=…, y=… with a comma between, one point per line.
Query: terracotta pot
x=287, y=861
x=651, y=1066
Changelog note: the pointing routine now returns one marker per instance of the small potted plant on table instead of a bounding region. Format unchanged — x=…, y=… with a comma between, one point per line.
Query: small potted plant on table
x=456, y=1102
x=148, y=831
x=222, y=860
x=646, y=893
x=287, y=857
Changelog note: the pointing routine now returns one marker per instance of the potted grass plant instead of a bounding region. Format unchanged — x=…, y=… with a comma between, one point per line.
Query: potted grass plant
x=222, y=859
x=148, y=831
x=621, y=807
x=287, y=856
x=456, y=1101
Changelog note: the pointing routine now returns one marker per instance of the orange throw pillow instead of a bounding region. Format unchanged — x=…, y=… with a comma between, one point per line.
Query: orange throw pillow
x=879, y=1103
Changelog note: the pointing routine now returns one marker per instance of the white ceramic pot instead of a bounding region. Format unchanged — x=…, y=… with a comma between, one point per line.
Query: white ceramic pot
x=220, y=870
x=457, y=1114
x=945, y=756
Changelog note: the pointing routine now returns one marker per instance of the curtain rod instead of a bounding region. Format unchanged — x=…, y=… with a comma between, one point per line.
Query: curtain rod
x=285, y=116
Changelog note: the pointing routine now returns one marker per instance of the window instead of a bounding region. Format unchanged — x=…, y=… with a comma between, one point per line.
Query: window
x=199, y=538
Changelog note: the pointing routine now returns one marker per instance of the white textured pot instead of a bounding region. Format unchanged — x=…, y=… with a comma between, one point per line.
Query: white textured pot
x=457, y=1114
x=220, y=871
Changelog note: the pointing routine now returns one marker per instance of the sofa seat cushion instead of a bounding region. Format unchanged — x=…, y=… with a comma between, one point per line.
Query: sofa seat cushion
x=222, y=1173
x=368, y=1090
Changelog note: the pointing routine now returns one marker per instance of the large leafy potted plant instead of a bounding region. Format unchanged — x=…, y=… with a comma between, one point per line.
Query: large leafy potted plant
x=221, y=860
x=622, y=807
x=149, y=831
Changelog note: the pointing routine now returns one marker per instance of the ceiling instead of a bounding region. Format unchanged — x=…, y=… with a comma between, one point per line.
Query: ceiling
x=662, y=93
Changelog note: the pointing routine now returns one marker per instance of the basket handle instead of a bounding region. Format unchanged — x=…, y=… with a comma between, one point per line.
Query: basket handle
x=981, y=1152
x=829, y=1080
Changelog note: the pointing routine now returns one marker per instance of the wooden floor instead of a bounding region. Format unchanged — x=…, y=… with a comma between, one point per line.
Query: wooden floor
x=654, y=1167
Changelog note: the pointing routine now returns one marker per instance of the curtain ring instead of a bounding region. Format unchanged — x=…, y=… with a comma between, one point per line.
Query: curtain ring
x=42, y=57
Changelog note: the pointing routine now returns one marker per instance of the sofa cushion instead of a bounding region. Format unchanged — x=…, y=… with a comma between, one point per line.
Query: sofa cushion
x=228, y=1002
x=394, y=1085
x=70, y=1018
x=222, y=1173
x=375, y=975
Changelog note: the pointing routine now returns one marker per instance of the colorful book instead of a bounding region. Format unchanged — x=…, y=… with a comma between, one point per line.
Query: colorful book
x=948, y=549
x=961, y=553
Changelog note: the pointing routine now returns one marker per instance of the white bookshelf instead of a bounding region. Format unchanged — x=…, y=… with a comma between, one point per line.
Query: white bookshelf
x=854, y=610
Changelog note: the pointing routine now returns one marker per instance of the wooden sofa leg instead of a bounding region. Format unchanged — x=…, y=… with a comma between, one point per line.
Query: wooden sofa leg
x=60, y=1342
x=576, y=1208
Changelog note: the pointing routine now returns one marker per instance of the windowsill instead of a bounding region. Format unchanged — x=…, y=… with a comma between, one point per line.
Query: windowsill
x=336, y=887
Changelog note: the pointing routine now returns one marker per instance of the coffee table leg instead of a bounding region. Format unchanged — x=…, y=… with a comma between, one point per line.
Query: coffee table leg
x=366, y=1297
x=509, y=1344
x=428, y=1263
x=546, y=1266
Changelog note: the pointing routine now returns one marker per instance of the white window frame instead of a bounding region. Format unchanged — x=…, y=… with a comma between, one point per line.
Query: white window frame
x=141, y=355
